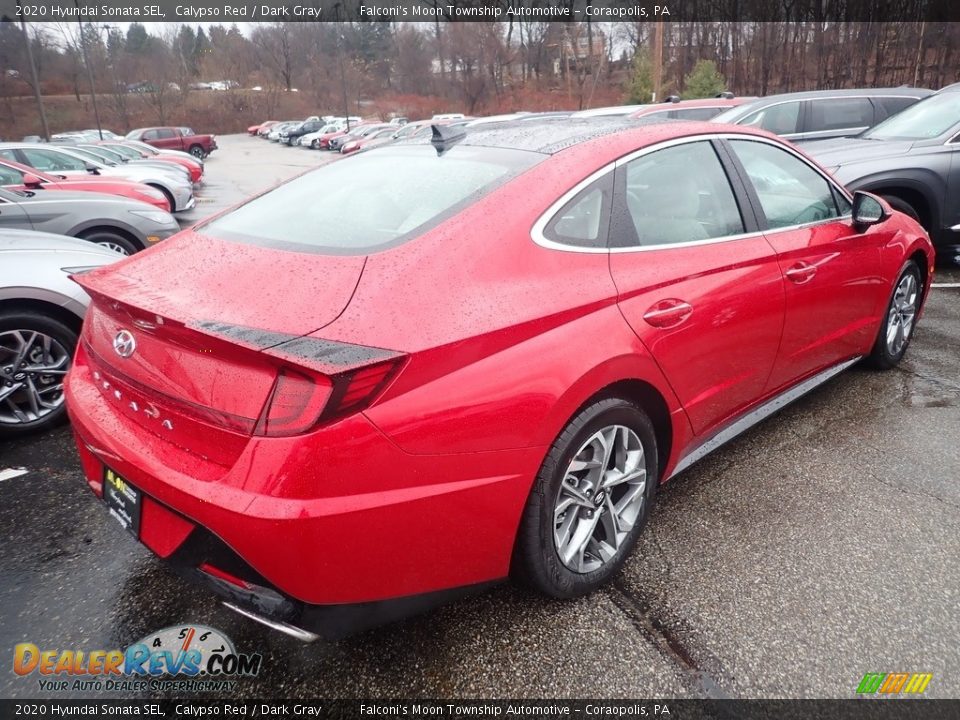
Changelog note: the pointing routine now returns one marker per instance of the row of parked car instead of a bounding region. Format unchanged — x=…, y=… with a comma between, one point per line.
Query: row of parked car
x=901, y=143
x=85, y=199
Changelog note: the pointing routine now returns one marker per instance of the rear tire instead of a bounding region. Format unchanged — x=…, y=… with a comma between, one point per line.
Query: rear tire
x=111, y=240
x=597, y=485
x=899, y=322
x=52, y=348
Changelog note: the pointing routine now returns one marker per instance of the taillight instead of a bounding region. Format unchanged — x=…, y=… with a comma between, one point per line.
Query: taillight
x=294, y=405
x=299, y=402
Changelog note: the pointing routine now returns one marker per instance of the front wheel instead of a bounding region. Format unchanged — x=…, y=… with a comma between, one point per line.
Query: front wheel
x=589, y=502
x=111, y=241
x=896, y=331
x=35, y=354
x=197, y=152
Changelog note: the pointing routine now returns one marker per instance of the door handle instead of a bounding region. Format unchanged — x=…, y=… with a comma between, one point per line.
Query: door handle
x=801, y=272
x=668, y=313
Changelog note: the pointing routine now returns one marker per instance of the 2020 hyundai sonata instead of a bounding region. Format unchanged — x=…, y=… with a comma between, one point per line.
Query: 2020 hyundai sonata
x=472, y=357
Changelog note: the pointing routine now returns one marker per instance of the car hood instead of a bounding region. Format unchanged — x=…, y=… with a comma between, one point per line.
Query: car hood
x=31, y=241
x=843, y=151
x=204, y=282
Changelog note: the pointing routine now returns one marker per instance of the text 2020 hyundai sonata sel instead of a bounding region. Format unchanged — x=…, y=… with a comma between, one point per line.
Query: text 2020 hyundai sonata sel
x=471, y=357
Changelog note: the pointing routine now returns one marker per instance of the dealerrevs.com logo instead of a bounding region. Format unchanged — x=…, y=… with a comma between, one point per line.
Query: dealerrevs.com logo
x=894, y=684
x=181, y=657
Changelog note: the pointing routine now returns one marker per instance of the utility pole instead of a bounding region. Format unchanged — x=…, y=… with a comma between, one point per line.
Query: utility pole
x=86, y=61
x=343, y=77
x=657, y=59
x=34, y=76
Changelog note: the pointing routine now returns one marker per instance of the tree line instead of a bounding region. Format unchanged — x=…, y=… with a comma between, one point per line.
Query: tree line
x=472, y=67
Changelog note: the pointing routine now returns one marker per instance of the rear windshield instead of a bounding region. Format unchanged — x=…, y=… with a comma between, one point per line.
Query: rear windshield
x=372, y=200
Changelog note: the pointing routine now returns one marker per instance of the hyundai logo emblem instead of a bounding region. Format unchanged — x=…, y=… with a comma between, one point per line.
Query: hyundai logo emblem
x=124, y=343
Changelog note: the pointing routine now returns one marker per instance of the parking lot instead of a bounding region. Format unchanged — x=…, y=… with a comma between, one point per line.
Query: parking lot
x=819, y=546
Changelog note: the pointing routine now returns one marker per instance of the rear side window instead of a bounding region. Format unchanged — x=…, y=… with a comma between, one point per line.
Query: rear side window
x=780, y=119
x=790, y=191
x=372, y=200
x=839, y=114
x=700, y=113
x=166, y=133
x=583, y=221
x=680, y=194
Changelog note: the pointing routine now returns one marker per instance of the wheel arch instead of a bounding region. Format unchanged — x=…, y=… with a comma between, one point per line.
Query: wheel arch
x=911, y=187
x=86, y=229
x=638, y=382
x=45, y=307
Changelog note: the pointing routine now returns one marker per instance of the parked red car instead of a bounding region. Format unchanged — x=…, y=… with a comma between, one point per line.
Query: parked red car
x=702, y=109
x=15, y=176
x=471, y=357
x=193, y=165
x=176, y=138
x=255, y=129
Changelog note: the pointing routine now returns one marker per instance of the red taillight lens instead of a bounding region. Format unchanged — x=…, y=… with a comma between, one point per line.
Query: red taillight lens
x=299, y=402
x=294, y=405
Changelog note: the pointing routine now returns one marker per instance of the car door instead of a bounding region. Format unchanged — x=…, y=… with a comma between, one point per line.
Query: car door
x=12, y=216
x=831, y=270
x=836, y=117
x=168, y=138
x=695, y=280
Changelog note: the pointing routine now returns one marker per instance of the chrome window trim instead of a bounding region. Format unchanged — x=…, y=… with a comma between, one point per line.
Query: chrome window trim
x=537, y=235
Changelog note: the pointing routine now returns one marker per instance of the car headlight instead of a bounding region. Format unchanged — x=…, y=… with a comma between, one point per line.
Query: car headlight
x=157, y=216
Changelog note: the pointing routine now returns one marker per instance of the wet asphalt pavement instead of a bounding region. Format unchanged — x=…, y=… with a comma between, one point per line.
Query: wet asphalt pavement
x=821, y=545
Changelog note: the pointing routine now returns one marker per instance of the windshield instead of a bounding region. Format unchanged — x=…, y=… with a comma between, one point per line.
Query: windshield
x=927, y=119
x=126, y=151
x=403, y=192
x=730, y=115
x=87, y=155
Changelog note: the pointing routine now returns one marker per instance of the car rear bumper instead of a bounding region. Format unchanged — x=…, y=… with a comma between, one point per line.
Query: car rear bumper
x=338, y=517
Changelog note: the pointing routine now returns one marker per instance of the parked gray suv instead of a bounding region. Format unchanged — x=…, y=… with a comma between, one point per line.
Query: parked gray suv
x=913, y=160
x=822, y=114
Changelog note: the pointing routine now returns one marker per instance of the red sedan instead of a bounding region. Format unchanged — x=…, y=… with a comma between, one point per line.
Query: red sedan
x=471, y=357
x=15, y=176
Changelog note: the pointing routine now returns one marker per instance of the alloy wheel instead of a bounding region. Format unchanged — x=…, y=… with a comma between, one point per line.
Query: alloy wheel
x=600, y=499
x=113, y=246
x=32, y=370
x=903, y=310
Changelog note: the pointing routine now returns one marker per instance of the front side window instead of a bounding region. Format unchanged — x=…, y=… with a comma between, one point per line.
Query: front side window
x=839, y=114
x=52, y=161
x=790, y=191
x=372, y=200
x=677, y=195
x=780, y=119
x=10, y=176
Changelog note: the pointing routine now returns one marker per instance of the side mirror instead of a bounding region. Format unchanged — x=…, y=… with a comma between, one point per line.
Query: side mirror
x=92, y=169
x=32, y=182
x=868, y=209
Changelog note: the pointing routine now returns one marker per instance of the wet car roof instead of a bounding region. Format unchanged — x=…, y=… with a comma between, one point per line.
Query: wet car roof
x=547, y=135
